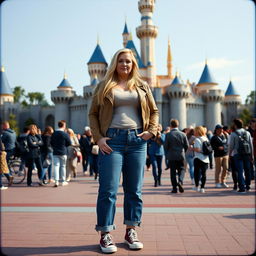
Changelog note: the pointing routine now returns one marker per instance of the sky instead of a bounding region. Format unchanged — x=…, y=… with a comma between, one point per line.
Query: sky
x=42, y=39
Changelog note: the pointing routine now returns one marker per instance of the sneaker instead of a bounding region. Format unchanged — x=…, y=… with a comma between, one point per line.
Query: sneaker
x=64, y=183
x=174, y=191
x=131, y=238
x=241, y=191
x=56, y=184
x=3, y=188
x=202, y=190
x=196, y=189
x=224, y=185
x=106, y=244
x=218, y=185
x=181, y=189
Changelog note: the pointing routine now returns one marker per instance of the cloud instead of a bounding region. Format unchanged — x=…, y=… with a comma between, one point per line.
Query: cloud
x=215, y=63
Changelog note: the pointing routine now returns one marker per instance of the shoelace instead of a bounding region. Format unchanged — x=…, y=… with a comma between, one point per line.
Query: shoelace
x=107, y=239
x=133, y=235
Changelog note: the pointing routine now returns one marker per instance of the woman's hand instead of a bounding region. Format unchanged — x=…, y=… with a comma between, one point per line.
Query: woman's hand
x=145, y=135
x=104, y=147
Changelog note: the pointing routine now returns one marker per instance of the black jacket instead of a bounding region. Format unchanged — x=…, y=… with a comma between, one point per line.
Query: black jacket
x=219, y=141
x=34, y=144
x=60, y=141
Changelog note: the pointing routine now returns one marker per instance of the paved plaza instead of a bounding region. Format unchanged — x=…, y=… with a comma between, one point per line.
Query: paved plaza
x=60, y=221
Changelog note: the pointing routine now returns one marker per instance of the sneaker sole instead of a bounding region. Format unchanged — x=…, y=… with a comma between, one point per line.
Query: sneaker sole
x=111, y=249
x=134, y=246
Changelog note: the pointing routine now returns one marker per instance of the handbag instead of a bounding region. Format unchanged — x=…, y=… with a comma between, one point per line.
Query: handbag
x=47, y=162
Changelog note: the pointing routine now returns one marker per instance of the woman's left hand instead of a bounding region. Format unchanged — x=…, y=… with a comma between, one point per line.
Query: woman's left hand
x=145, y=135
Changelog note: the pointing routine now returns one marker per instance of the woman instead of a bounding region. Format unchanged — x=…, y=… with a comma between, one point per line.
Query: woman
x=201, y=161
x=72, y=155
x=34, y=156
x=47, y=154
x=123, y=116
x=190, y=154
x=156, y=153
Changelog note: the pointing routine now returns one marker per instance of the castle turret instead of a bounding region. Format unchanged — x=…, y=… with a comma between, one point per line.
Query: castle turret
x=6, y=94
x=178, y=93
x=125, y=35
x=97, y=64
x=62, y=98
x=232, y=101
x=147, y=33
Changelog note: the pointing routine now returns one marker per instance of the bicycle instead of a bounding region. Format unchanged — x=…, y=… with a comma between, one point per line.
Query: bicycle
x=14, y=167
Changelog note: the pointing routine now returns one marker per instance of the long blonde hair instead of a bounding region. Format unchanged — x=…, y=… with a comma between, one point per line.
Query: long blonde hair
x=111, y=78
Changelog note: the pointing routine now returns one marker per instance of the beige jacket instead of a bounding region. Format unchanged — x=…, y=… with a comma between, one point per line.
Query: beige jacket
x=100, y=116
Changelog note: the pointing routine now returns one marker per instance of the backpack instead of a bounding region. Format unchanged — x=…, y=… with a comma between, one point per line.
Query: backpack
x=21, y=147
x=243, y=144
x=206, y=148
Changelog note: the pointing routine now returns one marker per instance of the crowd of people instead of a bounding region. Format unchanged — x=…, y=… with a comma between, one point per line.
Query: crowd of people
x=53, y=154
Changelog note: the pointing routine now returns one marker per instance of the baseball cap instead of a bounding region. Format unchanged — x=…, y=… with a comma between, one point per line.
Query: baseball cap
x=218, y=126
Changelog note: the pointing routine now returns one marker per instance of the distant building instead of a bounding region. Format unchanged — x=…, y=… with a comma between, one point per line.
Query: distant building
x=202, y=103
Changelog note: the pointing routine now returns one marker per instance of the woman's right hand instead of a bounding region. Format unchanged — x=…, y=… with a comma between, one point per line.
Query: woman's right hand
x=104, y=147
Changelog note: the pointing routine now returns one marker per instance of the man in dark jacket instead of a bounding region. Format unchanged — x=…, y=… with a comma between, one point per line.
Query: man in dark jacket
x=219, y=142
x=60, y=141
x=176, y=144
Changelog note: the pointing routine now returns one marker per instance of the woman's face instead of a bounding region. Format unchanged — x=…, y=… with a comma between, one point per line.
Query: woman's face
x=124, y=65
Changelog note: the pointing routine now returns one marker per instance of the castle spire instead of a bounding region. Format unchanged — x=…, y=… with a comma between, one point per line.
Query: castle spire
x=169, y=60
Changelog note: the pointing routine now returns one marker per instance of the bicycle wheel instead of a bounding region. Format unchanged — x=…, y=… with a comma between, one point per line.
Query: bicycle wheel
x=18, y=175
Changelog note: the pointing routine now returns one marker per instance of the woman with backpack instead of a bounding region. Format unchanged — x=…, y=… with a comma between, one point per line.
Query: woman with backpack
x=201, y=159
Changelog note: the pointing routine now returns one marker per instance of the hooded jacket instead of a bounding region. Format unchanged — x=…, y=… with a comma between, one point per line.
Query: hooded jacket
x=8, y=139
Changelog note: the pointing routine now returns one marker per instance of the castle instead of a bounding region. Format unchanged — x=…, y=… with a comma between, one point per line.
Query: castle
x=193, y=104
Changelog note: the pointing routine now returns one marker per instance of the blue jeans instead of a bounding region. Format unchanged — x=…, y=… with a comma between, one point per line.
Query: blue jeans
x=242, y=164
x=59, y=167
x=156, y=161
x=190, y=161
x=128, y=157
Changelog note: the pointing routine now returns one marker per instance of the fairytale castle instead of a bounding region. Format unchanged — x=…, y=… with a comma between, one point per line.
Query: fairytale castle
x=202, y=103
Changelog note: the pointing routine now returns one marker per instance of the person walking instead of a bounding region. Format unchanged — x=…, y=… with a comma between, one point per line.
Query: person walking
x=73, y=148
x=201, y=160
x=176, y=144
x=219, y=142
x=123, y=116
x=34, y=155
x=241, y=148
x=60, y=141
x=156, y=153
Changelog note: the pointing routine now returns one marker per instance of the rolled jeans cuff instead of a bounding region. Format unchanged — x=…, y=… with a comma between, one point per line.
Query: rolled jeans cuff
x=105, y=228
x=132, y=223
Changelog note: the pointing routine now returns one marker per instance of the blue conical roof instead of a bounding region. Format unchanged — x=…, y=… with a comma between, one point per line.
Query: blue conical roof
x=95, y=81
x=4, y=84
x=206, y=77
x=176, y=80
x=125, y=29
x=97, y=56
x=231, y=90
x=64, y=83
x=130, y=45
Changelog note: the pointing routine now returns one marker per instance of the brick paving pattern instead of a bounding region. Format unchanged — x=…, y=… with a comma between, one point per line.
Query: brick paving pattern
x=60, y=221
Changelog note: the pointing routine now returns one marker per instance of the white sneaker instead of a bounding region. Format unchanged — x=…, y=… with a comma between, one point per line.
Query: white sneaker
x=192, y=182
x=224, y=185
x=64, y=183
x=56, y=184
x=202, y=190
x=3, y=188
x=218, y=185
x=196, y=189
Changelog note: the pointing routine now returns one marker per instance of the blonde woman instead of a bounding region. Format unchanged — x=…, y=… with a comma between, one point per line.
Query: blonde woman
x=123, y=116
x=72, y=154
x=201, y=161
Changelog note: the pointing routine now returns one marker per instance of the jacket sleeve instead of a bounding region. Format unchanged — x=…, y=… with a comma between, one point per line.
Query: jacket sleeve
x=94, y=116
x=166, y=142
x=186, y=144
x=154, y=113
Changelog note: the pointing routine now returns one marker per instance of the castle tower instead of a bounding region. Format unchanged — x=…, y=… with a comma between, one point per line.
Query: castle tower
x=169, y=60
x=97, y=64
x=147, y=33
x=62, y=98
x=178, y=93
x=232, y=101
x=6, y=94
x=125, y=35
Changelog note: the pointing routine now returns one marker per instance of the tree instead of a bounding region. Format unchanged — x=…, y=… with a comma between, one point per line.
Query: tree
x=250, y=99
x=19, y=93
x=246, y=116
x=13, y=123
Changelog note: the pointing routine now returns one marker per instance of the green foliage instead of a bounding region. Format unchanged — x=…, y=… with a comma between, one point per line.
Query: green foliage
x=246, y=116
x=250, y=99
x=29, y=121
x=19, y=94
x=13, y=123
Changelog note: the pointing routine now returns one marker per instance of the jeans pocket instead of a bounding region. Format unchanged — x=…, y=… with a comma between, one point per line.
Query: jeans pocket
x=111, y=133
